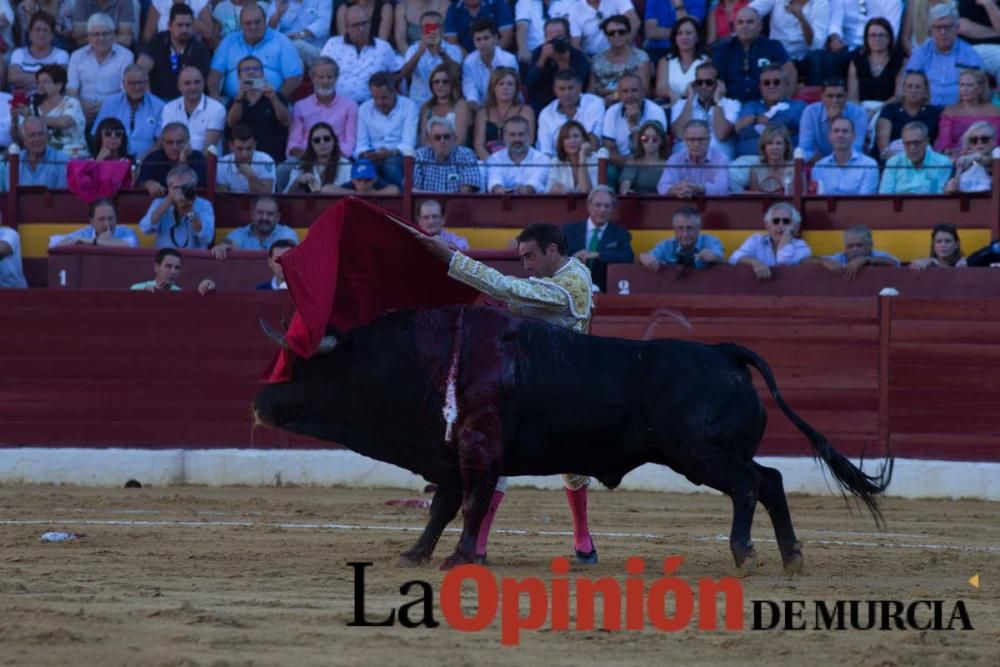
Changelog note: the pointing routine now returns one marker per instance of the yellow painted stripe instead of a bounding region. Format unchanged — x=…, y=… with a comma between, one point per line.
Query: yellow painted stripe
x=35, y=237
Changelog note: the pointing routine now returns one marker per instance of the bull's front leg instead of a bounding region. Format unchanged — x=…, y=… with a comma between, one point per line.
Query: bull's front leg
x=444, y=506
x=480, y=461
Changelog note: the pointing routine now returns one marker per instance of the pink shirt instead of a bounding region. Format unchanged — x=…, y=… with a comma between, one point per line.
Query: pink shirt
x=951, y=129
x=341, y=114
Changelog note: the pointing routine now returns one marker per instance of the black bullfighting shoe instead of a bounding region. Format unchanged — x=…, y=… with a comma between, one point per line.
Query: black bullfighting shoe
x=479, y=559
x=587, y=558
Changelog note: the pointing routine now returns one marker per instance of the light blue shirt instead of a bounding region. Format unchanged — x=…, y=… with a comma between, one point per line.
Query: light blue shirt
x=11, y=270
x=814, y=129
x=244, y=238
x=142, y=132
x=858, y=177
x=841, y=257
x=665, y=252
x=377, y=130
x=88, y=233
x=50, y=172
x=275, y=51
x=173, y=233
x=311, y=15
x=901, y=177
x=942, y=68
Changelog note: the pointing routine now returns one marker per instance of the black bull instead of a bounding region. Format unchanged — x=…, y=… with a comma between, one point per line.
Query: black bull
x=534, y=399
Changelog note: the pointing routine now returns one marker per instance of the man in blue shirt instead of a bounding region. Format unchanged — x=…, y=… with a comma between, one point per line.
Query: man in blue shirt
x=814, y=127
x=181, y=219
x=282, y=64
x=458, y=21
x=103, y=229
x=845, y=171
x=858, y=253
x=740, y=60
x=688, y=247
x=137, y=109
x=942, y=56
x=40, y=163
x=264, y=229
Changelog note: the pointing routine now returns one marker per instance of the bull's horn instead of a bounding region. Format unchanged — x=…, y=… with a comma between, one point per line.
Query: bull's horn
x=270, y=332
x=326, y=345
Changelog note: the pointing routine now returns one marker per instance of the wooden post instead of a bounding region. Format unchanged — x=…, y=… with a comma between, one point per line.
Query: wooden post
x=884, y=369
x=408, y=163
x=799, y=182
x=995, y=199
x=13, y=178
x=602, y=170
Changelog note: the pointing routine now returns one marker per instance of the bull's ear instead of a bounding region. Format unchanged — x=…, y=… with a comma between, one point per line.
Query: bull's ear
x=273, y=335
x=326, y=345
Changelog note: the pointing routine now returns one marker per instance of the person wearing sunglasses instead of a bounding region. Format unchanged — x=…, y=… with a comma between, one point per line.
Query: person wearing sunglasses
x=110, y=141
x=706, y=100
x=324, y=105
x=739, y=60
x=446, y=102
x=858, y=253
x=620, y=58
x=425, y=54
x=588, y=16
x=944, y=54
x=774, y=107
x=322, y=166
x=444, y=166
x=974, y=167
x=778, y=245
x=974, y=105
x=845, y=171
x=918, y=169
x=624, y=119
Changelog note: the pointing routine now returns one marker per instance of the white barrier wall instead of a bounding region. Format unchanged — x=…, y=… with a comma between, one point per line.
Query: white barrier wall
x=222, y=467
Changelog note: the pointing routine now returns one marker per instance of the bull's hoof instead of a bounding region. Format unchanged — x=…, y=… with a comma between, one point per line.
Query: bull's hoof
x=587, y=557
x=746, y=565
x=793, y=563
x=409, y=559
x=455, y=560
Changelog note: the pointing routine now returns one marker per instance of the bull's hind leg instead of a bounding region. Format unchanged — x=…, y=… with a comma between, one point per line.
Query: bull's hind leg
x=740, y=481
x=444, y=506
x=772, y=497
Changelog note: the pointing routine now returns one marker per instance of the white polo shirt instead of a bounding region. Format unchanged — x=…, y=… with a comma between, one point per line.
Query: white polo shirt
x=208, y=115
x=228, y=175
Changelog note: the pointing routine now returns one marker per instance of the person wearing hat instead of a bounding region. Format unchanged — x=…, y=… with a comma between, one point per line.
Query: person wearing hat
x=365, y=181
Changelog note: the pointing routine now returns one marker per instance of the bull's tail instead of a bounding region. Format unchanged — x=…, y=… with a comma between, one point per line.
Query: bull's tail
x=849, y=477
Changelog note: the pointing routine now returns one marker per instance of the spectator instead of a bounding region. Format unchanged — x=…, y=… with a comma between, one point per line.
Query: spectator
x=40, y=164
x=277, y=249
x=706, y=100
x=849, y=23
x=261, y=108
x=676, y=70
x=518, y=168
x=555, y=55
x=778, y=246
x=447, y=103
x=387, y=123
x=978, y=22
x=408, y=22
x=61, y=12
x=324, y=105
x=166, y=273
x=160, y=15
x=846, y=171
x=365, y=181
x=9, y=113
x=941, y=56
x=176, y=151
x=227, y=14
x=501, y=104
x=873, y=75
x=282, y=65
x=103, y=229
x=814, y=128
x=137, y=109
x=359, y=55
x=244, y=168
x=775, y=172
x=800, y=26
x=27, y=60
x=204, y=117
x=589, y=35
x=443, y=166
x=774, y=107
x=322, y=166
x=430, y=217
x=63, y=115
x=463, y=14
x=305, y=22
x=573, y=168
x=915, y=106
x=918, y=169
x=623, y=120
x=570, y=104
x=917, y=23
x=110, y=141
x=697, y=169
x=663, y=18
x=11, y=269
x=720, y=24
x=596, y=241
x=974, y=105
x=378, y=12
x=95, y=70
x=120, y=23
x=425, y=54
x=182, y=219
x=262, y=233
x=974, y=167
x=479, y=64
x=946, y=249
x=689, y=247
x=858, y=253
x=740, y=60
x=531, y=18
x=168, y=52
x=644, y=168
x=620, y=58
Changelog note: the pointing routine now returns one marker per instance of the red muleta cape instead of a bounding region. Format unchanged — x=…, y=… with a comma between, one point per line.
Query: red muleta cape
x=356, y=264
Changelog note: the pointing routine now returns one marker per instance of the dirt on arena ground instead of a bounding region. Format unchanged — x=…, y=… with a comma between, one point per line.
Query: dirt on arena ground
x=233, y=576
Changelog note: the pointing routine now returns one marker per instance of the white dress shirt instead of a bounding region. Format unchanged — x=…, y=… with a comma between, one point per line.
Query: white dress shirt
x=589, y=113
x=502, y=170
x=759, y=247
x=476, y=75
x=356, y=67
x=420, y=87
x=588, y=20
x=229, y=175
x=730, y=111
x=848, y=22
x=617, y=129
x=786, y=29
x=208, y=115
x=378, y=130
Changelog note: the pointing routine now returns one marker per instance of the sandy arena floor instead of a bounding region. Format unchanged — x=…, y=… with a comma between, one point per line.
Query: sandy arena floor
x=199, y=576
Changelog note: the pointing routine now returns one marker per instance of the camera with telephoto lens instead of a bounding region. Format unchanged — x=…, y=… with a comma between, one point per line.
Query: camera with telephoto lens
x=685, y=257
x=188, y=191
x=560, y=45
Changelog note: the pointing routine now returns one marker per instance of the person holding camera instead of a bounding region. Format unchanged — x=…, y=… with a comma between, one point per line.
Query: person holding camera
x=170, y=51
x=181, y=219
x=261, y=108
x=554, y=55
x=689, y=247
x=423, y=56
